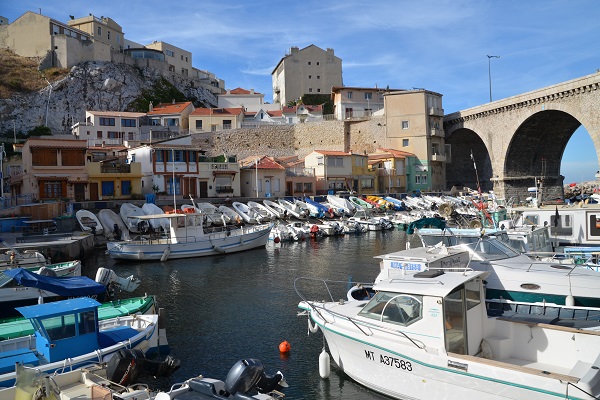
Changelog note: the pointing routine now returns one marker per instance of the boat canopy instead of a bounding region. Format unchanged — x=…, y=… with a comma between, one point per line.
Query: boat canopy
x=420, y=223
x=65, y=286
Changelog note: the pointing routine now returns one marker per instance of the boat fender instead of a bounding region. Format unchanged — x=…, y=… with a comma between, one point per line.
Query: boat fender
x=277, y=239
x=165, y=255
x=324, y=364
x=312, y=328
x=570, y=301
x=219, y=249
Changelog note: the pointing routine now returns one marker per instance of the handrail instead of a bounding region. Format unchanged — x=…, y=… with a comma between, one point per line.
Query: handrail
x=354, y=322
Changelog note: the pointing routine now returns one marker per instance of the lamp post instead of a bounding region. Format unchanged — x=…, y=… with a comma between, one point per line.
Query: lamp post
x=490, y=73
x=256, y=174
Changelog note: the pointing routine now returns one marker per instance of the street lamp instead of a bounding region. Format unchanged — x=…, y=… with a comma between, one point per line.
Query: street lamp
x=256, y=174
x=490, y=73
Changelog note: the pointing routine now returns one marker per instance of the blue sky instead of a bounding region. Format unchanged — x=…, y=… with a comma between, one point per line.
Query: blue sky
x=438, y=45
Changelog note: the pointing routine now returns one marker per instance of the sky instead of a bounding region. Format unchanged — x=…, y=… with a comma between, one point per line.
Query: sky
x=439, y=45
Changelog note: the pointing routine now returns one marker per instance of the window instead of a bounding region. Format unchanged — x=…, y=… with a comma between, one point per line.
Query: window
x=335, y=161
x=318, y=76
x=192, y=156
x=320, y=160
x=367, y=183
x=421, y=179
x=130, y=136
x=395, y=308
x=73, y=157
x=198, y=124
x=404, y=142
x=404, y=124
x=226, y=124
x=125, y=188
x=349, y=95
x=307, y=187
x=186, y=59
x=276, y=184
x=99, y=31
x=159, y=156
x=170, y=185
x=182, y=57
x=310, y=77
x=51, y=189
x=108, y=35
x=309, y=63
x=170, y=53
x=44, y=157
x=107, y=121
x=98, y=134
x=368, y=96
x=309, y=90
x=114, y=135
x=133, y=157
x=130, y=123
x=108, y=188
x=298, y=186
x=223, y=184
x=318, y=90
x=317, y=63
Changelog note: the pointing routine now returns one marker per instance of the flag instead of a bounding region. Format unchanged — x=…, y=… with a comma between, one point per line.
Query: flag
x=556, y=217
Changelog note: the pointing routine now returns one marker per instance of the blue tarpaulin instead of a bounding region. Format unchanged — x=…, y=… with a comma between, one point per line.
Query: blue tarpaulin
x=67, y=286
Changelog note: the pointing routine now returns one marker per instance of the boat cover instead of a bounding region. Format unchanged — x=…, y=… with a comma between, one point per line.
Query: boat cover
x=423, y=222
x=66, y=286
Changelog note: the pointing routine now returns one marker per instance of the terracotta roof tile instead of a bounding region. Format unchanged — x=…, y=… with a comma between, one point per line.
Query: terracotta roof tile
x=169, y=108
x=217, y=111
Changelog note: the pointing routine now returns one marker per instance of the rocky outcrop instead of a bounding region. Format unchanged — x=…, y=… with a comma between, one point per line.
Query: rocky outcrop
x=99, y=86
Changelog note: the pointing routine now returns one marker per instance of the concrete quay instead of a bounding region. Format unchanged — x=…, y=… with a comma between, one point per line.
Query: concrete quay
x=57, y=247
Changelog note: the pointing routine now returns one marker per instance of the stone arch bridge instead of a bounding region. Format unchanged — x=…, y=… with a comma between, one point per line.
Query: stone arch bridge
x=519, y=141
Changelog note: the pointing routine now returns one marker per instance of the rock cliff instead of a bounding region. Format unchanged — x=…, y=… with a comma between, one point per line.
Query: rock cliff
x=99, y=86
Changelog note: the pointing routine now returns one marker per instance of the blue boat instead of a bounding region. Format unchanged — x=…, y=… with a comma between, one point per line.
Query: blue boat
x=68, y=335
x=317, y=209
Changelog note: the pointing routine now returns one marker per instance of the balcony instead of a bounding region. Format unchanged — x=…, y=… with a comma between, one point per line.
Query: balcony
x=108, y=168
x=439, y=112
x=310, y=172
x=438, y=157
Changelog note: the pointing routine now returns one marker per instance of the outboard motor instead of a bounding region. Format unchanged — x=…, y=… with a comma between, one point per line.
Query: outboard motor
x=247, y=375
x=110, y=279
x=126, y=367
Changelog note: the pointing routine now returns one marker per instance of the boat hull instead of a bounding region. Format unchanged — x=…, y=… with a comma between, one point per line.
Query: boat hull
x=226, y=241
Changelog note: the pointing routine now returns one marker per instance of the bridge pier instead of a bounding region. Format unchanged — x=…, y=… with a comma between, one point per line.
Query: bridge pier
x=550, y=188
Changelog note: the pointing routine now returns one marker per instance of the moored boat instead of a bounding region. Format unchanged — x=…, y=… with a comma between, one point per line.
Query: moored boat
x=113, y=225
x=88, y=221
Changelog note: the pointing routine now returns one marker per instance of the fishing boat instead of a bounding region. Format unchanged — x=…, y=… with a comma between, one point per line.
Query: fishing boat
x=20, y=287
x=19, y=326
x=425, y=334
x=248, y=216
x=276, y=209
x=113, y=225
x=88, y=221
x=191, y=240
x=130, y=214
x=68, y=335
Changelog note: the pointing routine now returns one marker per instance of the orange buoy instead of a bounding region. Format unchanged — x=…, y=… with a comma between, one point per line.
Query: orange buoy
x=276, y=240
x=284, y=347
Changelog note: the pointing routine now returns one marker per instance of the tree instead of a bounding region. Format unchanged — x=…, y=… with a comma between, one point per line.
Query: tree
x=40, y=131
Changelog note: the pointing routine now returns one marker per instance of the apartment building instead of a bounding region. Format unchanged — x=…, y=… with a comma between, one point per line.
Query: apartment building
x=55, y=43
x=215, y=119
x=111, y=175
x=340, y=171
x=110, y=128
x=179, y=60
x=357, y=102
x=414, y=124
x=392, y=168
x=101, y=29
x=172, y=116
x=310, y=70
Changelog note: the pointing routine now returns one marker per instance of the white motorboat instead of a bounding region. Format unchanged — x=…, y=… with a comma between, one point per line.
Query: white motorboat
x=130, y=214
x=89, y=222
x=244, y=211
x=371, y=224
x=276, y=209
x=113, y=225
x=157, y=224
x=233, y=216
x=281, y=233
x=191, y=240
x=68, y=335
x=261, y=211
x=341, y=205
x=121, y=378
x=293, y=209
x=303, y=207
x=214, y=216
x=425, y=334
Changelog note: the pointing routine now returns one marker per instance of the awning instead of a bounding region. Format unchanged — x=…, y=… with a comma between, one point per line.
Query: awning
x=52, y=178
x=224, y=172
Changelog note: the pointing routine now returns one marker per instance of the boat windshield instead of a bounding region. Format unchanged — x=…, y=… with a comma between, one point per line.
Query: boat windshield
x=395, y=308
x=491, y=249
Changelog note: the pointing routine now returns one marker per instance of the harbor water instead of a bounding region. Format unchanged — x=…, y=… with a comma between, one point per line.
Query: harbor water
x=224, y=308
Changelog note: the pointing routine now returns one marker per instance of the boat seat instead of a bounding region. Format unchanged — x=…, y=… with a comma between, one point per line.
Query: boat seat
x=8, y=359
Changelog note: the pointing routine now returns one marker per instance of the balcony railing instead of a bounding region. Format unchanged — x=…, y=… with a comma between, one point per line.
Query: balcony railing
x=437, y=132
x=115, y=169
x=300, y=172
x=436, y=111
x=438, y=157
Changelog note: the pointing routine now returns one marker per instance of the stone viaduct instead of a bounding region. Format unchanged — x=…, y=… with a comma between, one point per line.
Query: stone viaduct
x=519, y=141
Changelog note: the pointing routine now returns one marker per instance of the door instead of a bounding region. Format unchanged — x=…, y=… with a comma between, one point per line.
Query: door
x=94, y=191
x=268, y=188
x=79, y=191
x=289, y=186
x=454, y=316
x=203, y=189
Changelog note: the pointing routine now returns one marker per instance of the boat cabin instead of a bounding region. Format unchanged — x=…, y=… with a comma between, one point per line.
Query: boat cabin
x=64, y=329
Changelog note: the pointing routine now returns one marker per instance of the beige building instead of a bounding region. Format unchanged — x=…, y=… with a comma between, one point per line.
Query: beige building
x=179, y=60
x=54, y=43
x=261, y=176
x=106, y=128
x=414, y=124
x=310, y=70
x=340, y=171
x=102, y=29
x=356, y=102
x=215, y=119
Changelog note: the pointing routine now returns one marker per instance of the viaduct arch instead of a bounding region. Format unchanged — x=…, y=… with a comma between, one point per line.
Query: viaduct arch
x=519, y=141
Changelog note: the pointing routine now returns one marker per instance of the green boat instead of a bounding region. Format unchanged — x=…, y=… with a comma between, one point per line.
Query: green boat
x=18, y=327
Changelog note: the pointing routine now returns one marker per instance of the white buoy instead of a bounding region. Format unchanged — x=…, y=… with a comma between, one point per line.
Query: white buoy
x=569, y=301
x=324, y=364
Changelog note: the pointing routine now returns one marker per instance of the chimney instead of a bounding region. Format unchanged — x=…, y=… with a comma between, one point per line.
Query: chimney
x=251, y=91
x=150, y=107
